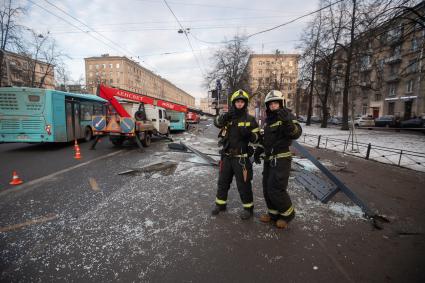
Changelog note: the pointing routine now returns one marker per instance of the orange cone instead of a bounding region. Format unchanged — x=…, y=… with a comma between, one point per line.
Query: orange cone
x=77, y=153
x=15, y=179
x=75, y=145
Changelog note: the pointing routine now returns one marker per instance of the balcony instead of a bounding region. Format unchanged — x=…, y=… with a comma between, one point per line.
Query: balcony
x=393, y=59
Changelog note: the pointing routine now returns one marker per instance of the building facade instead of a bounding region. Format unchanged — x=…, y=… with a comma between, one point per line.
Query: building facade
x=20, y=70
x=126, y=74
x=205, y=106
x=266, y=72
x=387, y=77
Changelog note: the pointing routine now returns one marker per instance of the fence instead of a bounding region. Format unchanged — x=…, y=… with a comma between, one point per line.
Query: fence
x=399, y=157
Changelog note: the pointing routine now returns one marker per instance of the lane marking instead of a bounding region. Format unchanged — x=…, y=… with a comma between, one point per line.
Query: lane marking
x=42, y=179
x=93, y=184
x=43, y=219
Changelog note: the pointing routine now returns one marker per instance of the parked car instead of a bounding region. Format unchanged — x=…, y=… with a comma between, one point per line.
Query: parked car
x=335, y=120
x=364, y=121
x=414, y=123
x=316, y=119
x=385, y=121
x=302, y=119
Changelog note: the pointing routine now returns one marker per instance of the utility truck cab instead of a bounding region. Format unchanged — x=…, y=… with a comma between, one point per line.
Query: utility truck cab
x=153, y=114
x=159, y=118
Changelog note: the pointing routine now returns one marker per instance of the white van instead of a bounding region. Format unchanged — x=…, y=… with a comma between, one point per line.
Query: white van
x=158, y=115
x=159, y=118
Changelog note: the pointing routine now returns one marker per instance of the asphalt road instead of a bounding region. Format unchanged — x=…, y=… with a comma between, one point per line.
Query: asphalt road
x=87, y=223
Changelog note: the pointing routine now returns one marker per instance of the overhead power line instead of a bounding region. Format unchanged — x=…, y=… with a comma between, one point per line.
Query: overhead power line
x=294, y=20
x=272, y=28
x=120, y=50
x=70, y=23
x=187, y=37
x=84, y=24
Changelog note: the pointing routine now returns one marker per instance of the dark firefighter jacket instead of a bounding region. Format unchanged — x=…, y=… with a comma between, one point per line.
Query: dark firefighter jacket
x=237, y=133
x=279, y=133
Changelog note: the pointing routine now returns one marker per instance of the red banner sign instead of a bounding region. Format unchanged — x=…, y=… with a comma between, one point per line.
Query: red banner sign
x=171, y=106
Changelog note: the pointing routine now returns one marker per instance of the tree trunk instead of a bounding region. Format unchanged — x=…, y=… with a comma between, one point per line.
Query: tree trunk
x=348, y=71
x=310, y=95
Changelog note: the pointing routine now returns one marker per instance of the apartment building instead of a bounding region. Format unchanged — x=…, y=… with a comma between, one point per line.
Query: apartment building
x=124, y=73
x=271, y=71
x=21, y=70
x=388, y=71
x=205, y=106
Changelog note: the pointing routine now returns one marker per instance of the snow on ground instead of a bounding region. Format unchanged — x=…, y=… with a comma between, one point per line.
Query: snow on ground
x=150, y=223
x=412, y=144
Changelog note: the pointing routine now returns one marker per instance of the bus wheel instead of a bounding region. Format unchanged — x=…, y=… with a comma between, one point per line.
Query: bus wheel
x=88, y=134
x=147, y=140
x=117, y=141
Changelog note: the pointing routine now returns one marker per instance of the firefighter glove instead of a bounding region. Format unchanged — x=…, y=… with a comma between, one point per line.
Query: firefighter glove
x=284, y=115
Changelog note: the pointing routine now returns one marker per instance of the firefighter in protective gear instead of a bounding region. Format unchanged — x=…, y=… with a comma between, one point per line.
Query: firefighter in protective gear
x=238, y=129
x=280, y=128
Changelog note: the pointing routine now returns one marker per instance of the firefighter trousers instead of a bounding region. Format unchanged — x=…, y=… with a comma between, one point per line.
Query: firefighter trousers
x=275, y=182
x=234, y=166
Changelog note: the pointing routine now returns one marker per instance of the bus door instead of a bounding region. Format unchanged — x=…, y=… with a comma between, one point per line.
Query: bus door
x=73, y=129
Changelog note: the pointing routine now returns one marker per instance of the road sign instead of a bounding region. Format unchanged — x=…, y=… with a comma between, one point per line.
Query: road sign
x=127, y=125
x=99, y=122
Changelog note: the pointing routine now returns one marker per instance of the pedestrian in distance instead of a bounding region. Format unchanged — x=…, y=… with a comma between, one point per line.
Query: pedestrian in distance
x=238, y=129
x=280, y=128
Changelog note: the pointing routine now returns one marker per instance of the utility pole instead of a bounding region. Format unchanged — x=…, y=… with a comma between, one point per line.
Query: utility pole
x=218, y=88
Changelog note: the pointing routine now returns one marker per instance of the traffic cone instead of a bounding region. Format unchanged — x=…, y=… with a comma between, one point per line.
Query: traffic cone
x=77, y=153
x=15, y=179
x=75, y=145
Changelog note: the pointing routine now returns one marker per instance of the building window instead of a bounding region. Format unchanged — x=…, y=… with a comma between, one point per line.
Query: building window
x=90, y=74
x=377, y=96
x=110, y=66
x=111, y=81
x=392, y=88
x=364, y=109
x=391, y=106
x=412, y=67
x=104, y=66
x=409, y=86
x=97, y=66
x=117, y=65
x=414, y=44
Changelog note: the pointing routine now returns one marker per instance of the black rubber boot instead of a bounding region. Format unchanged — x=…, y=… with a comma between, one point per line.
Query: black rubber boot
x=247, y=213
x=217, y=209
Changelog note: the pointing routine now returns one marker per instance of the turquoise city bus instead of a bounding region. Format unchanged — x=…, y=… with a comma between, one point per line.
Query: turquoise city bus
x=178, y=121
x=37, y=115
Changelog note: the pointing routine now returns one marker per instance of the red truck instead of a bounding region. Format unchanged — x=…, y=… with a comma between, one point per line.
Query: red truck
x=192, y=118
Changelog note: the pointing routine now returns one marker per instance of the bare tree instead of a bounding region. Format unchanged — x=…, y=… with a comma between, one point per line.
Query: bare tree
x=42, y=55
x=10, y=31
x=229, y=65
x=310, y=44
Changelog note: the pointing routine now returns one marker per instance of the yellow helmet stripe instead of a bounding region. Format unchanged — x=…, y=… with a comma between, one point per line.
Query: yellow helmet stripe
x=236, y=93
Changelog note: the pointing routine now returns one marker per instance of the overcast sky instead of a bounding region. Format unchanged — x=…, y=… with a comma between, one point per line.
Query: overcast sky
x=146, y=30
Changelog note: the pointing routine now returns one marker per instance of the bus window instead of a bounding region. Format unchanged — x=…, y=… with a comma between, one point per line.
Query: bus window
x=98, y=109
x=160, y=114
x=86, y=111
